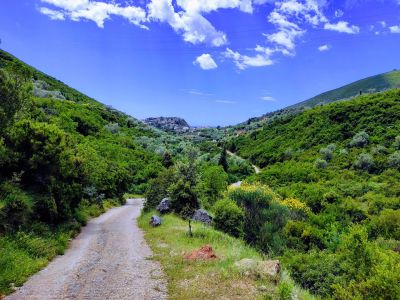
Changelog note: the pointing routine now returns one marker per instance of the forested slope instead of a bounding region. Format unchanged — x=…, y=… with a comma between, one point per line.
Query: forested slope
x=342, y=160
x=63, y=157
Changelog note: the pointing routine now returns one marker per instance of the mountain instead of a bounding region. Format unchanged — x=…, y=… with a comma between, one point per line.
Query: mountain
x=175, y=124
x=369, y=85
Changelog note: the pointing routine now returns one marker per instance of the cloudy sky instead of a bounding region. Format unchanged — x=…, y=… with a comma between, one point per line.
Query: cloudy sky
x=213, y=62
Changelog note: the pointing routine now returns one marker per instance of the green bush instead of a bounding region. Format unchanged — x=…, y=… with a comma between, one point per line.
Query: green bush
x=213, y=182
x=228, y=217
x=158, y=188
x=16, y=211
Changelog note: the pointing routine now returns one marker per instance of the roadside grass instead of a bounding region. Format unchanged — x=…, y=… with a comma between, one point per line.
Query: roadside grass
x=211, y=279
x=28, y=251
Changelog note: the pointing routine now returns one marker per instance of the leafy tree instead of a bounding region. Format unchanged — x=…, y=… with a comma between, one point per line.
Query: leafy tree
x=212, y=184
x=360, y=139
x=14, y=92
x=158, y=188
x=364, y=162
x=167, y=160
x=223, y=160
x=184, y=200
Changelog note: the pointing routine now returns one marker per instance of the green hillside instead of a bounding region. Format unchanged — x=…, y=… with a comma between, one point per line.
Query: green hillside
x=343, y=161
x=367, y=85
x=64, y=157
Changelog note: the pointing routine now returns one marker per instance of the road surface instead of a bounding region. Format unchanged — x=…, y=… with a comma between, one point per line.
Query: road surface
x=109, y=259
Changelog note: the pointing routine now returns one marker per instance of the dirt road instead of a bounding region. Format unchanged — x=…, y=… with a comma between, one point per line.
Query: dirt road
x=107, y=260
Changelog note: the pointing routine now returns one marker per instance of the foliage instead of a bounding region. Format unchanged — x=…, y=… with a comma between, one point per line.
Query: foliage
x=213, y=183
x=228, y=217
x=264, y=218
x=344, y=244
x=158, y=188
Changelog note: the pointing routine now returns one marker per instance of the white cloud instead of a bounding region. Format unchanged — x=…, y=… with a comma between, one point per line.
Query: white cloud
x=383, y=23
x=324, y=48
x=206, y=62
x=394, y=29
x=343, y=27
x=95, y=11
x=189, y=21
x=268, y=98
x=242, y=62
x=225, y=101
x=68, y=4
x=52, y=14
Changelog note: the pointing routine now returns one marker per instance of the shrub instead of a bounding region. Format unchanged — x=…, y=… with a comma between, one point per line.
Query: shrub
x=212, y=184
x=326, y=153
x=320, y=163
x=264, y=217
x=113, y=128
x=285, y=290
x=15, y=212
x=360, y=139
x=364, y=162
x=228, y=217
x=394, y=160
x=396, y=143
x=158, y=187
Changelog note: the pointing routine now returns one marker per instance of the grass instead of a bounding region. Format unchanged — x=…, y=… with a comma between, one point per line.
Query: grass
x=24, y=253
x=212, y=279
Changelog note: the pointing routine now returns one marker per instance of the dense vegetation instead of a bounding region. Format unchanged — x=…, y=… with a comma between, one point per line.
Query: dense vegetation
x=62, y=160
x=343, y=162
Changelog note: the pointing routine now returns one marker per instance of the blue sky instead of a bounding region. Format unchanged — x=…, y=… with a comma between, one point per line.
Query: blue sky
x=212, y=62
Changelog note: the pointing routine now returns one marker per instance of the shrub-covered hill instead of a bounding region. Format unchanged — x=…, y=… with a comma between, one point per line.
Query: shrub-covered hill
x=57, y=151
x=343, y=161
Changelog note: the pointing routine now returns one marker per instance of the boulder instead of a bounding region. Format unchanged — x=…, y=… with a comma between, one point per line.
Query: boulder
x=202, y=216
x=265, y=269
x=155, y=221
x=247, y=266
x=164, y=206
x=269, y=269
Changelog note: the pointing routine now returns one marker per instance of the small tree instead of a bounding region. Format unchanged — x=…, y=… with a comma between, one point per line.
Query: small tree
x=320, y=163
x=184, y=200
x=223, y=162
x=326, y=153
x=167, y=160
x=360, y=139
x=364, y=162
x=213, y=183
x=14, y=92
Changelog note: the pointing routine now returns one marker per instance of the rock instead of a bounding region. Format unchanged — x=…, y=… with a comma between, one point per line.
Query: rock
x=205, y=252
x=266, y=269
x=269, y=269
x=155, y=221
x=164, y=206
x=247, y=266
x=202, y=216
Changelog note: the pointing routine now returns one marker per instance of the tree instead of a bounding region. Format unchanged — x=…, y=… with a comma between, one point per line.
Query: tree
x=213, y=183
x=167, y=160
x=184, y=199
x=223, y=162
x=14, y=92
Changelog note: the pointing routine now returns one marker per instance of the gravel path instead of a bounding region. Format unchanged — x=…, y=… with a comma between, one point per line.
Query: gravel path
x=107, y=260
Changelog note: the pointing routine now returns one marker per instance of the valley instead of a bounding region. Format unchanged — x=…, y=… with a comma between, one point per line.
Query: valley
x=319, y=193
